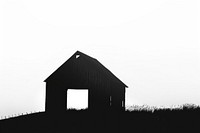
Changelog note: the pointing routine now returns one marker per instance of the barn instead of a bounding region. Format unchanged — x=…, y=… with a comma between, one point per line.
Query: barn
x=80, y=71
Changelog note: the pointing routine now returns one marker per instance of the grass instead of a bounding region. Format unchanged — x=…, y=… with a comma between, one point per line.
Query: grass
x=163, y=120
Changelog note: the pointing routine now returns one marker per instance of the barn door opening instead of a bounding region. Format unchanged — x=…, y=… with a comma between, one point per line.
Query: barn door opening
x=77, y=99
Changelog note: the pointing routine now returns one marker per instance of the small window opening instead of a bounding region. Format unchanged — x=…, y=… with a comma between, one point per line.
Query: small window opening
x=77, y=56
x=110, y=100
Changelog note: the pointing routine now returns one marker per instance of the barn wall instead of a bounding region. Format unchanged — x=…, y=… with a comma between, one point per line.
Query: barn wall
x=56, y=98
x=118, y=98
x=105, y=90
x=99, y=98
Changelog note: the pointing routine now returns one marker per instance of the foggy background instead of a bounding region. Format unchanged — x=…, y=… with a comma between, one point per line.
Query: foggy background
x=152, y=46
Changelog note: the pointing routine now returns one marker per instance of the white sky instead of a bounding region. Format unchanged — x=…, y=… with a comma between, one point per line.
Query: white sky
x=77, y=99
x=153, y=46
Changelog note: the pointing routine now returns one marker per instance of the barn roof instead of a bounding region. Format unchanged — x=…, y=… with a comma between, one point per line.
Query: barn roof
x=92, y=63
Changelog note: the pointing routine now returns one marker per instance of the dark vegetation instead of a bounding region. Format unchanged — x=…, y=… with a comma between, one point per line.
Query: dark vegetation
x=84, y=121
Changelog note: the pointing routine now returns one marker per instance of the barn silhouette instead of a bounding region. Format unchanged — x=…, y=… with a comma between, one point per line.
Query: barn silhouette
x=80, y=71
x=106, y=92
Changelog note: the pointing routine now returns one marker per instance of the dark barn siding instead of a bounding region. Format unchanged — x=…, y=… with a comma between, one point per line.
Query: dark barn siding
x=84, y=72
x=56, y=96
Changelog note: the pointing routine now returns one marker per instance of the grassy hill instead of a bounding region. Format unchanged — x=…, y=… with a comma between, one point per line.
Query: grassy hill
x=81, y=121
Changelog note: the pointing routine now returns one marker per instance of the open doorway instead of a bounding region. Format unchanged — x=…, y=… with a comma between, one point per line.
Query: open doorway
x=77, y=99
